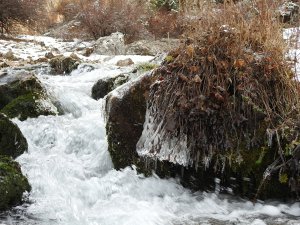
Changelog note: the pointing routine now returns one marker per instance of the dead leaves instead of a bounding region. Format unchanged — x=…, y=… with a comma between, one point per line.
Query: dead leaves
x=190, y=51
x=239, y=63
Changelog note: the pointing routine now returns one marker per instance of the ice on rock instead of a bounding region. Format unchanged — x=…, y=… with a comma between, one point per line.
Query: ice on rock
x=153, y=144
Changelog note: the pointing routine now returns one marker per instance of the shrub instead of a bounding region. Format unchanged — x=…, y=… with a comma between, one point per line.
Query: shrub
x=17, y=11
x=103, y=18
x=164, y=23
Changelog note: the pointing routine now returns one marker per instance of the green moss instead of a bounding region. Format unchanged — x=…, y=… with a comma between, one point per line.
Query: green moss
x=283, y=178
x=12, y=183
x=12, y=141
x=169, y=58
x=9, y=92
x=26, y=106
x=144, y=67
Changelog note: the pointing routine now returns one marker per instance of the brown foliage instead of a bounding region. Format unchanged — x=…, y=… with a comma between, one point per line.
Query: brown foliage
x=104, y=18
x=18, y=11
x=164, y=23
x=227, y=86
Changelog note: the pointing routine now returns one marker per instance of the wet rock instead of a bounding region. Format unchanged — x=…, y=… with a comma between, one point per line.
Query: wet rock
x=125, y=118
x=15, y=85
x=30, y=105
x=63, y=65
x=12, y=183
x=125, y=62
x=110, y=45
x=106, y=85
x=12, y=141
x=23, y=96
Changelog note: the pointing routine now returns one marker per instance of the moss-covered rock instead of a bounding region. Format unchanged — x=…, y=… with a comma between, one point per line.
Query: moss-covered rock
x=17, y=85
x=64, y=65
x=12, y=141
x=30, y=105
x=24, y=97
x=106, y=85
x=12, y=183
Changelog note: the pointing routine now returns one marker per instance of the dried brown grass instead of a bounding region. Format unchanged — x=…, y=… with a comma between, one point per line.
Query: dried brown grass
x=229, y=85
x=107, y=17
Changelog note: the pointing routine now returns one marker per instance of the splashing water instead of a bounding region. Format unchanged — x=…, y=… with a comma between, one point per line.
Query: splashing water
x=74, y=183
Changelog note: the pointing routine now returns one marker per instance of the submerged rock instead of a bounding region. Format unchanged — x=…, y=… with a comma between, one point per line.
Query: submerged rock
x=12, y=183
x=12, y=141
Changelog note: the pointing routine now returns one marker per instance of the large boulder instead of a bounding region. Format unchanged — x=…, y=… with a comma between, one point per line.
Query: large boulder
x=12, y=183
x=30, y=105
x=15, y=85
x=23, y=96
x=12, y=141
x=125, y=109
x=246, y=172
x=110, y=45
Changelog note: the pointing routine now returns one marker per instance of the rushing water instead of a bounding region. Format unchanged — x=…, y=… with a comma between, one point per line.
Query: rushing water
x=74, y=183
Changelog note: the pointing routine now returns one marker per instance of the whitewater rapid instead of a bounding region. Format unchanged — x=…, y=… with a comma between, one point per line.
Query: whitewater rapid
x=74, y=183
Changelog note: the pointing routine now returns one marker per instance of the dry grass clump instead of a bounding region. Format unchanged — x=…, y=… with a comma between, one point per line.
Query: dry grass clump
x=105, y=17
x=165, y=24
x=227, y=87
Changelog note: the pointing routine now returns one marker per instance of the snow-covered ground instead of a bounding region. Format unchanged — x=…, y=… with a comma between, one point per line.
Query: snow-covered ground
x=292, y=35
x=35, y=47
x=72, y=176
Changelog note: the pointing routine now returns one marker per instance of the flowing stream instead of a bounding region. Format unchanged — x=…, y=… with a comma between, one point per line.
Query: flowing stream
x=74, y=183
